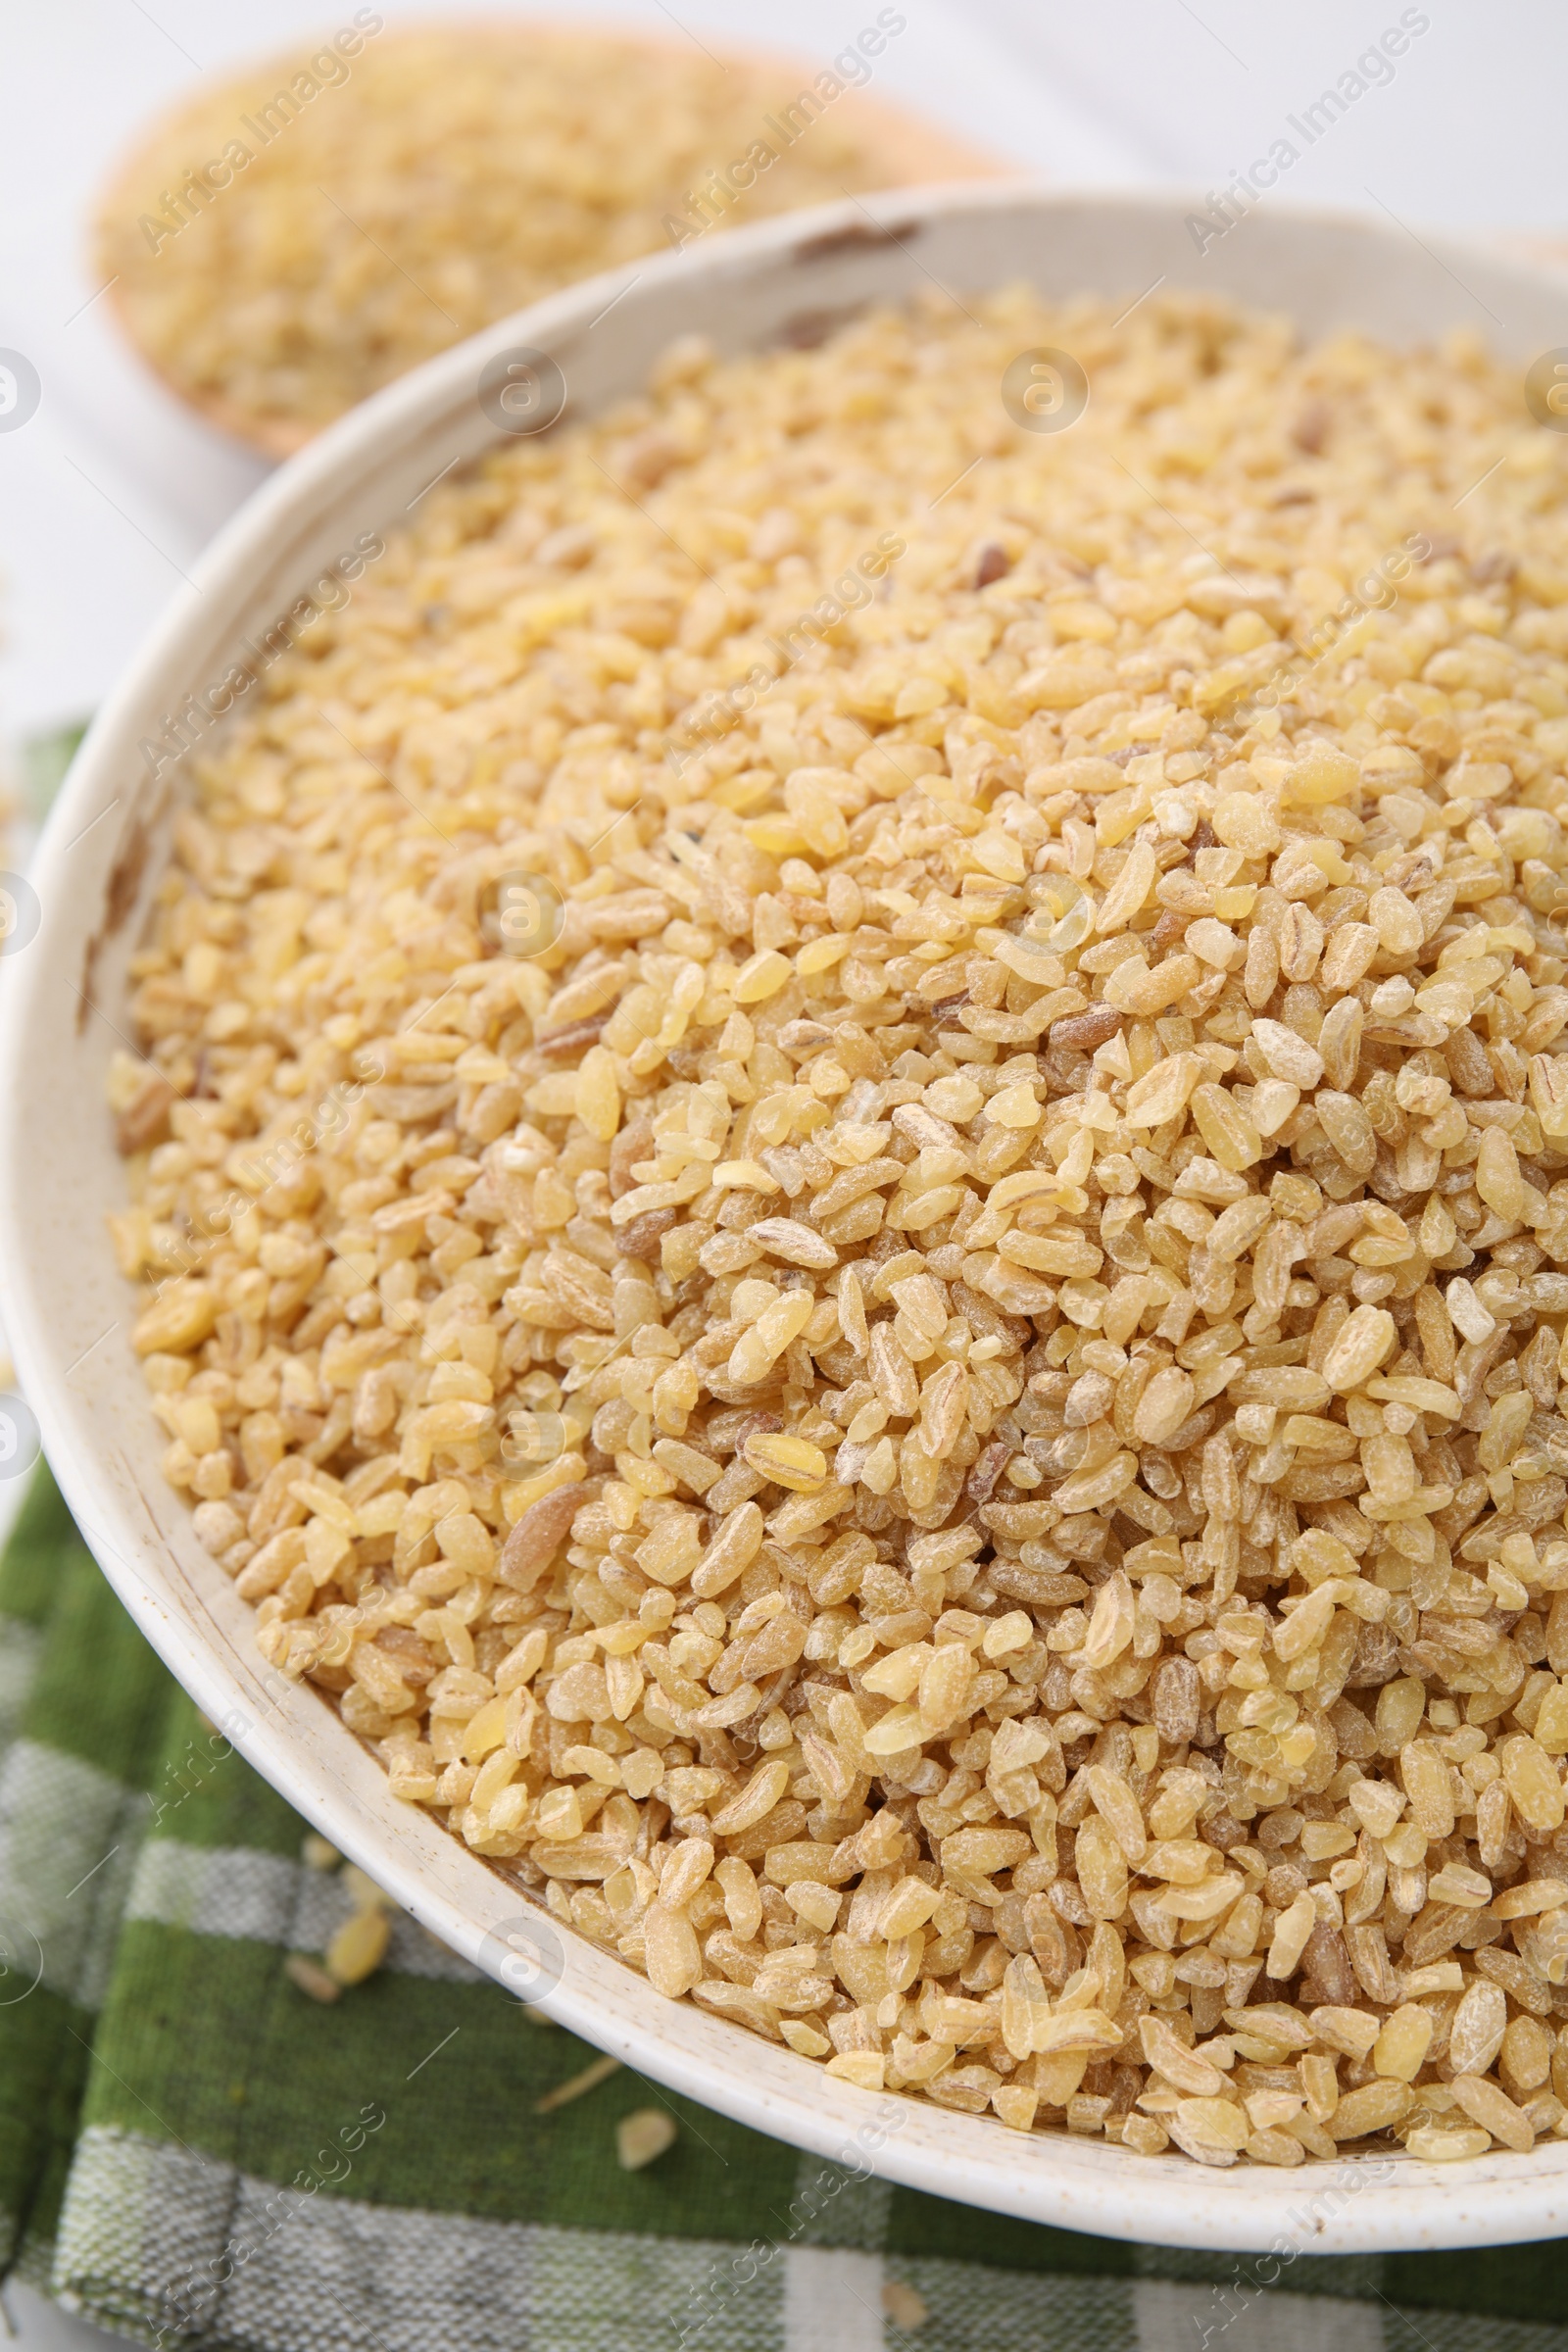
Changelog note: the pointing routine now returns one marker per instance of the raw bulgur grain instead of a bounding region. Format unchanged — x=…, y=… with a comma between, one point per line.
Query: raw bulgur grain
x=577, y=2086
x=644, y=2135
x=1026, y=1200
x=905, y=2307
x=311, y=1978
x=434, y=181
x=358, y=1948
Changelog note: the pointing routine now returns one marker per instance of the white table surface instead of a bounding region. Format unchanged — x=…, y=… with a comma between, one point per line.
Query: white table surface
x=112, y=488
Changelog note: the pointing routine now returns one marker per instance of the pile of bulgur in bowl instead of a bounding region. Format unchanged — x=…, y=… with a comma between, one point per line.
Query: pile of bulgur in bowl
x=289, y=242
x=929, y=1401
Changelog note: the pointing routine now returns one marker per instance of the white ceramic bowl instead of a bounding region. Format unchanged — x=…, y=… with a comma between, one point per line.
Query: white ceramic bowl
x=69, y=1311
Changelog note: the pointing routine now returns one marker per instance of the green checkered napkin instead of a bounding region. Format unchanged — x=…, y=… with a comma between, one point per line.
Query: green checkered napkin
x=193, y=2152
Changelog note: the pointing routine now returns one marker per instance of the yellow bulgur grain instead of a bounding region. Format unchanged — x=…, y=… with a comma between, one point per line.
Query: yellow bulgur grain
x=940, y=1420
x=358, y=1948
x=644, y=2135
x=290, y=241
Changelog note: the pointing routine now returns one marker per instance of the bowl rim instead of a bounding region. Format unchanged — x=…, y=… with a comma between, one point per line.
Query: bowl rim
x=187, y=1610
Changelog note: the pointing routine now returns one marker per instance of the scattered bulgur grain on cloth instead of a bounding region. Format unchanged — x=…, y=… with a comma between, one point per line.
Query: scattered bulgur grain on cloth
x=358, y=1948
x=577, y=2086
x=939, y=1417
x=311, y=1978
x=644, y=2135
